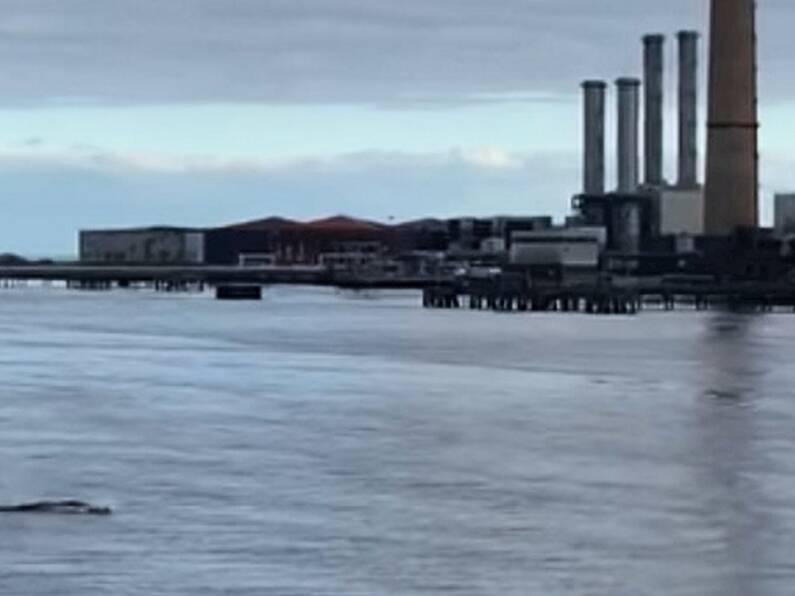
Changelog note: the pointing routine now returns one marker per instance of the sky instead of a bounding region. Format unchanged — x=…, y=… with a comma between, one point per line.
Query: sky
x=205, y=112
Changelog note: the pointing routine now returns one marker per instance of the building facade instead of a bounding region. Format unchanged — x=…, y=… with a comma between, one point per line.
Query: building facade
x=142, y=246
x=564, y=247
x=681, y=211
x=785, y=214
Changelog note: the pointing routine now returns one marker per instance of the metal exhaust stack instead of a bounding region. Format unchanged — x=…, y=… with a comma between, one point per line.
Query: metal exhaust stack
x=731, y=198
x=688, y=109
x=594, y=141
x=653, y=46
x=628, y=112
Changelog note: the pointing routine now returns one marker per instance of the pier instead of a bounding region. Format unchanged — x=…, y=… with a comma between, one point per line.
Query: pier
x=610, y=298
x=162, y=278
x=184, y=278
x=504, y=292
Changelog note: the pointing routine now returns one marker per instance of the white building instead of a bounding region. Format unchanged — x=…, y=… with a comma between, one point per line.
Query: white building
x=256, y=259
x=785, y=213
x=569, y=247
x=681, y=211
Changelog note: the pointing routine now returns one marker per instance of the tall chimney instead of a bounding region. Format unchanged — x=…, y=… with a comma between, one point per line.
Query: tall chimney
x=628, y=112
x=731, y=196
x=688, y=109
x=594, y=142
x=653, y=46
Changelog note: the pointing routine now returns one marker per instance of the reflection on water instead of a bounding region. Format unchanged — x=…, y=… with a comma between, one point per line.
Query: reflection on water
x=729, y=359
x=317, y=443
x=724, y=446
x=729, y=444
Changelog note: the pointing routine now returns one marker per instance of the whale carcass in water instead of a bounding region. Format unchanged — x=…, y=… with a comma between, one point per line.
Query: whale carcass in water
x=66, y=507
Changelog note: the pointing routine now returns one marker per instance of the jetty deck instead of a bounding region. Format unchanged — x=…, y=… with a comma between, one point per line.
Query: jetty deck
x=179, y=277
x=624, y=298
x=125, y=274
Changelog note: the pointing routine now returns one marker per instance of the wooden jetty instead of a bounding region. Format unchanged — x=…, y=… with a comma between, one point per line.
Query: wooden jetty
x=174, y=278
x=164, y=276
x=622, y=297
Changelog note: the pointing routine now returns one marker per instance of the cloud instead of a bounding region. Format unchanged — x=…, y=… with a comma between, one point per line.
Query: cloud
x=124, y=190
x=413, y=51
x=48, y=198
x=488, y=158
x=32, y=142
x=91, y=158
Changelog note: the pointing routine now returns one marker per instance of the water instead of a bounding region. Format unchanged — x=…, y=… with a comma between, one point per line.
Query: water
x=320, y=443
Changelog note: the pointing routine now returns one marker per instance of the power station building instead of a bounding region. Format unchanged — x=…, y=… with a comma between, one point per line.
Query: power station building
x=729, y=200
x=566, y=247
x=648, y=218
x=639, y=212
x=644, y=216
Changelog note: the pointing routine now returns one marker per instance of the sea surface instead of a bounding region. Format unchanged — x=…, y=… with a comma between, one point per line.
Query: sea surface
x=331, y=443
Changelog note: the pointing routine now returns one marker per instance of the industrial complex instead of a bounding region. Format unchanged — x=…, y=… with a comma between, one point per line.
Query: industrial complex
x=646, y=228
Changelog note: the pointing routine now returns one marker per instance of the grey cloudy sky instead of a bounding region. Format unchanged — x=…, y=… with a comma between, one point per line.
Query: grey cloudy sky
x=295, y=50
x=125, y=77
x=337, y=50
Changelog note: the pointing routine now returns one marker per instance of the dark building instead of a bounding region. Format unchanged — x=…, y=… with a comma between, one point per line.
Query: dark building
x=630, y=219
x=468, y=234
x=296, y=243
x=748, y=254
x=336, y=239
x=227, y=245
x=224, y=246
x=427, y=235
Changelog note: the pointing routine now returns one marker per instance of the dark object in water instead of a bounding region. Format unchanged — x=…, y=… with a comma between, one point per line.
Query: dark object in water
x=64, y=507
x=238, y=292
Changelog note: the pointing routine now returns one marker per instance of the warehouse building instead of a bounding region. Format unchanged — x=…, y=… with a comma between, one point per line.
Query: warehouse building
x=298, y=243
x=142, y=246
x=333, y=241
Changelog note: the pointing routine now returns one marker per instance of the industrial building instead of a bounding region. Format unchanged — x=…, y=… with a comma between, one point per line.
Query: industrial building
x=565, y=247
x=637, y=214
x=784, y=214
x=660, y=225
x=336, y=242
x=308, y=243
x=469, y=236
x=135, y=246
x=680, y=211
x=645, y=224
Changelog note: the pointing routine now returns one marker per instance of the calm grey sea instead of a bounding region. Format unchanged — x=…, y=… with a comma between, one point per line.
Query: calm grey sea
x=322, y=443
